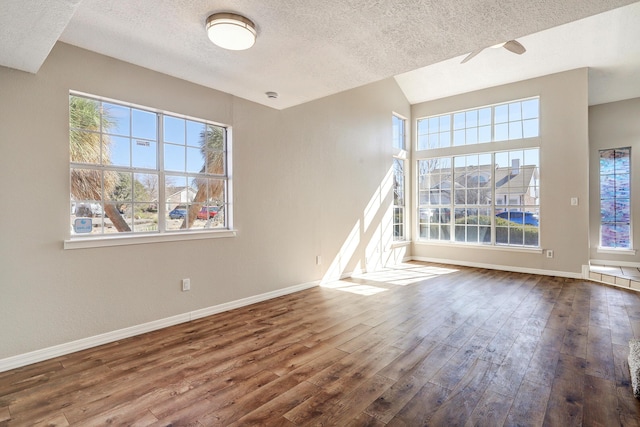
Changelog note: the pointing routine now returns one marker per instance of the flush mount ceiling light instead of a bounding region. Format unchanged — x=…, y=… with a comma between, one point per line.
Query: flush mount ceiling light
x=231, y=31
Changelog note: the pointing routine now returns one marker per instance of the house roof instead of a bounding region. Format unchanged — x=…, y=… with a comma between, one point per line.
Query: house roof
x=308, y=49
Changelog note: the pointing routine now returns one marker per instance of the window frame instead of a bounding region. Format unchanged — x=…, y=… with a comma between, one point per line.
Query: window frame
x=448, y=128
x=614, y=199
x=446, y=213
x=162, y=234
x=401, y=155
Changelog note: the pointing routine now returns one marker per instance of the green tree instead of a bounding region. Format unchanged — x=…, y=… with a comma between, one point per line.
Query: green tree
x=212, y=149
x=86, y=146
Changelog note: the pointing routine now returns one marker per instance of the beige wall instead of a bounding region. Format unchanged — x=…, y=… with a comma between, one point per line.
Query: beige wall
x=303, y=179
x=564, y=174
x=614, y=125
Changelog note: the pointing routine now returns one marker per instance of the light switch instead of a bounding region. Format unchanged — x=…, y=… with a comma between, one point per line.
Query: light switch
x=574, y=201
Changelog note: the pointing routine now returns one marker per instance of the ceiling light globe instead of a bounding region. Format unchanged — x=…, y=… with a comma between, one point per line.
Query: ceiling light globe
x=231, y=31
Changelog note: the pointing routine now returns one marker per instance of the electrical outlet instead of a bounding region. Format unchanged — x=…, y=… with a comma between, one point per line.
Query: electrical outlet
x=549, y=253
x=186, y=285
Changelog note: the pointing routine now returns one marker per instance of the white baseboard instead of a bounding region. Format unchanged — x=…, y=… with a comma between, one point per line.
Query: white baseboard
x=502, y=267
x=615, y=263
x=85, y=343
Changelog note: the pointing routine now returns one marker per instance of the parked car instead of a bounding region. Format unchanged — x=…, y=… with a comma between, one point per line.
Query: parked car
x=178, y=212
x=210, y=212
x=528, y=218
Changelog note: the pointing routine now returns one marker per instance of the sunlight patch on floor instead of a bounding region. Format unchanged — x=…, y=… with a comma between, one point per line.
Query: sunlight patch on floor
x=405, y=274
x=354, y=288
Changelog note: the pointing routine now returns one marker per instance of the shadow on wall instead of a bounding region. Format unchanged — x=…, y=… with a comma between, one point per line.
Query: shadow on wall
x=367, y=246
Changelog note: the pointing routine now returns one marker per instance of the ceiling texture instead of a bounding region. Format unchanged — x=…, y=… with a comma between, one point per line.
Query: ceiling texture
x=308, y=49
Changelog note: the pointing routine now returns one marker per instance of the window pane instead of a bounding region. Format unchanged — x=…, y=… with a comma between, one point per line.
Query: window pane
x=458, y=137
x=195, y=133
x=144, y=124
x=398, y=132
x=471, y=118
x=445, y=139
x=514, y=111
x=195, y=160
x=484, y=134
x=174, y=130
x=119, y=119
x=423, y=142
x=174, y=158
x=434, y=125
x=423, y=126
x=472, y=136
x=484, y=117
x=501, y=113
x=622, y=161
x=445, y=123
x=144, y=154
x=120, y=151
x=530, y=108
x=530, y=128
x=515, y=130
x=458, y=121
x=501, y=132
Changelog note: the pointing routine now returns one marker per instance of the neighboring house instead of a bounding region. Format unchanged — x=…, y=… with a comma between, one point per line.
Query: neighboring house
x=474, y=186
x=181, y=196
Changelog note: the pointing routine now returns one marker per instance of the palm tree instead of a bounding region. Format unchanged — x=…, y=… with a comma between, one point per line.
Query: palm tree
x=212, y=148
x=87, y=146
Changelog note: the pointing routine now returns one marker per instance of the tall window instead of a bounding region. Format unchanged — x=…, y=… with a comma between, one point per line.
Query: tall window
x=399, y=161
x=136, y=170
x=480, y=197
x=615, y=198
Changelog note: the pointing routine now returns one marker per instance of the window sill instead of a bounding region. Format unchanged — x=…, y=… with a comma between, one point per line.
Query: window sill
x=400, y=243
x=532, y=250
x=616, y=251
x=100, y=242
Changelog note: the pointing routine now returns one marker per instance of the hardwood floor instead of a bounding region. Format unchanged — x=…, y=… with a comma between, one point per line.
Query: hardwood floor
x=421, y=344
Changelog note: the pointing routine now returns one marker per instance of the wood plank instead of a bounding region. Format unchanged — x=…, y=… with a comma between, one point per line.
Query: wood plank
x=529, y=405
x=566, y=401
x=491, y=410
x=600, y=353
x=600, y=402
x=460, y=404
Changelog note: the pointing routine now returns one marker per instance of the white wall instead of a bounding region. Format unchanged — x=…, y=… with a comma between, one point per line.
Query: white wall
x=564, y=166
x=302, y=177
x=614, y=125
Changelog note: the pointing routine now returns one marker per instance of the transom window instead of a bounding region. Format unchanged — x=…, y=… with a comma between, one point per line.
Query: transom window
x=134, y=170
x=501, y=122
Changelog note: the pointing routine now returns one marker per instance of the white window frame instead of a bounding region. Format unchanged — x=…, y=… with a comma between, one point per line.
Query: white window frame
x=76, y=241
x=479, y=125
x=400, y=154
x=445, y=148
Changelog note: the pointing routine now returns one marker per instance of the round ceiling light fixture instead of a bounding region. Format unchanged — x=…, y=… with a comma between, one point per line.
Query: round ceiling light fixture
x=231, y=31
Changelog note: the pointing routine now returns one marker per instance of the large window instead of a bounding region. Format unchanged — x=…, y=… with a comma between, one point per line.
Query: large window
x=139, y=171
x=399, y=161
x=485, y=198
x=501, y=122
x=472, y=193
x=615, y=198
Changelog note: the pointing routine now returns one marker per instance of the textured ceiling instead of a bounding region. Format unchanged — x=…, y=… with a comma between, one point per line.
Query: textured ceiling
x=305, y=50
